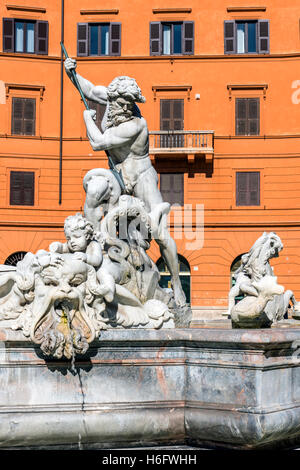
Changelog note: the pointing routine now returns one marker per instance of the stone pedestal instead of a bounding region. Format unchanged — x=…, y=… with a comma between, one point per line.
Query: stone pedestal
x=209, y=387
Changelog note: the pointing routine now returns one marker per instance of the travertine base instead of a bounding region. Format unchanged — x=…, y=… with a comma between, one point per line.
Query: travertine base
x=206, y=386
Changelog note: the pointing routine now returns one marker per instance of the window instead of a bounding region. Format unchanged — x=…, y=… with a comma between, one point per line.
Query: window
x=171, y=119
x=172, y=38
x=247, y=188
x=246, y=37
x=21, y=188
x=25, y=36
x=23, y=116
x=100, y=110
x=172, y=188
x=247, y=120
x=13, y=259
x=98, y=39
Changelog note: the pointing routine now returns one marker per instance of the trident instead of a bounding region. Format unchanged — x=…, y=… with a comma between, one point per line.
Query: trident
x=117, y=173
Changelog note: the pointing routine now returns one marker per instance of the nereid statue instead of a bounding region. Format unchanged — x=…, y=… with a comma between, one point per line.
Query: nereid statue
x=264, y=301
x=101, y=276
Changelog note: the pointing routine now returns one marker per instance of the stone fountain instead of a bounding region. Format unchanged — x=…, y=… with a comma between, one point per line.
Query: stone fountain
x=94, y=354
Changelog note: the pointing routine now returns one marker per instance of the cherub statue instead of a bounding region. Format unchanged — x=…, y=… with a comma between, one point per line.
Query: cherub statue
x=79, y=234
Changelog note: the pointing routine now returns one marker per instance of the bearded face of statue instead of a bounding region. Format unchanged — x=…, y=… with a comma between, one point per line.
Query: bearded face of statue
x=119, y=110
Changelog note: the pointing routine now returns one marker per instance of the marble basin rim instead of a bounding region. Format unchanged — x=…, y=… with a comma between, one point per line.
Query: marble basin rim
x=209, y=386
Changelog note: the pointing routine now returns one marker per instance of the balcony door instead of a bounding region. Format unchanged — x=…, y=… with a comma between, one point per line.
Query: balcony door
x=171, y=119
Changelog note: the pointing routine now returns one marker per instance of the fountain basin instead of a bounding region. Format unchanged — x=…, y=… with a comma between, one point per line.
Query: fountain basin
x=209, y=386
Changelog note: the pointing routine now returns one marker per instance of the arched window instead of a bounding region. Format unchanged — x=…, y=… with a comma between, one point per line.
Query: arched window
x=13, y=259
x=184, y=275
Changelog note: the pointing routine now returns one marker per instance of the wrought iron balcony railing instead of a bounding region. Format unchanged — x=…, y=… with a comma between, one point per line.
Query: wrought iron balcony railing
x=188, y=142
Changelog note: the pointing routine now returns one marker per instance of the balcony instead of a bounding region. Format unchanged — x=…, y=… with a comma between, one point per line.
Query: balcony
x=187, y=143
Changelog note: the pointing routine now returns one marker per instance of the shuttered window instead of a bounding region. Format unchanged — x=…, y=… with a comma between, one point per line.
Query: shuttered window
x=41, y=37
x=246, y=37
x=247, y=120
x=171, y=119
x=248, y=188
x=172, y=187
x=98, y=39
x=263, y=37
x=100, y=110
x=25, y=36
x=21, y=188
x=23, y=116
x=171, y=38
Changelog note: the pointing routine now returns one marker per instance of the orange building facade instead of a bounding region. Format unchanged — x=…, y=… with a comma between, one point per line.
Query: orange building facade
x=222, y=88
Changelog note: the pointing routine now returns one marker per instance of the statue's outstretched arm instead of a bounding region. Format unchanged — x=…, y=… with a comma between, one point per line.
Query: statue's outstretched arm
x=96, y=93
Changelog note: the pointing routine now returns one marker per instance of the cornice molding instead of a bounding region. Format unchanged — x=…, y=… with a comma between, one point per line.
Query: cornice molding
x=26, y=8
x=245, y=9
x=113, y=11
x=171, y=10
x=162, y=58
x=251, y=86
x=16, y=86
x=159, y=88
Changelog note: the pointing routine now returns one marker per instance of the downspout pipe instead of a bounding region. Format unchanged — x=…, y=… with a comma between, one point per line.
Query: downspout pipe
x=61, y=101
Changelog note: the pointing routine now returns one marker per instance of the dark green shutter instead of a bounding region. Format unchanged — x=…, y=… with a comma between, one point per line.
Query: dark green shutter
x=177, y=106
x=29, y=116
x=82, y=39
x=115, y=38
x=23, y=116
x=165, y=115
x=41, y=37
x=188, y=37
x=28, y=185
x=248, y=188
x=21, y=188
x=172, y=187
x=247, y=116
x=177, y=187
x=172, y=118
x=165, y=121
x=17, y=116
x=16, y=186
x=155, y=38
x=241, y=116
x=253, y=191
x=263, y=36
x=229, y=37
x=8, y=35
x=253, y=116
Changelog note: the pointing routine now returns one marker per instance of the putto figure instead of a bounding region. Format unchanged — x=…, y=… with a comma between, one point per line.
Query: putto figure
x=124, y=134
x=81, y=242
